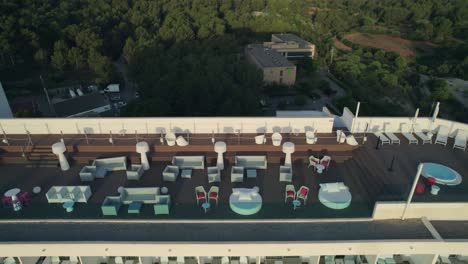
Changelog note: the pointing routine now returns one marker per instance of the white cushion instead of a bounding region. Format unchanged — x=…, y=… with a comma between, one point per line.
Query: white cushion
x=244, y=196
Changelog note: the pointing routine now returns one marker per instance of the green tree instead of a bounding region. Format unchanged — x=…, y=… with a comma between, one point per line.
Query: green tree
x=59, y=56
x=76, y=58
x=41, y=56
x=102, y=66
x=129, y=49
x=439, y=89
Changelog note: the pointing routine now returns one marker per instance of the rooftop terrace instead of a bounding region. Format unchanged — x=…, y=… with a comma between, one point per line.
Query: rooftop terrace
x=364, y=169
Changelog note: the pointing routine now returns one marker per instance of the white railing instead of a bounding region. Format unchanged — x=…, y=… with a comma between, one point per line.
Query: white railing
x=196, y=125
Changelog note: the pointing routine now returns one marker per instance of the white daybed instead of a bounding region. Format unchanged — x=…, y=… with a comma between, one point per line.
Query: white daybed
x=335, y=195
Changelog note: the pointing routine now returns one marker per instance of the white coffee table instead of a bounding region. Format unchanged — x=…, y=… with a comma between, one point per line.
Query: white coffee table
x=251, y=173
x=319, y=168
x=164, y=190
x=186, y=174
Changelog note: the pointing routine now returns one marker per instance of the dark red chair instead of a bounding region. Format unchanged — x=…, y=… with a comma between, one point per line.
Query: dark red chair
x=420, y=188
x=24, y=198
x=6, y=201
x=430, y=181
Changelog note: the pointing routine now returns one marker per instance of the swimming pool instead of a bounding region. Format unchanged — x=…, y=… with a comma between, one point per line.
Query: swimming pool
x=442, y=174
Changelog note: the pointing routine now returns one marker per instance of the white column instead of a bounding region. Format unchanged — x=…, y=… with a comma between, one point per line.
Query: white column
x=142, y=148
x=59, y=150
x=220, y=148
x=410, y=197
x=288, y=149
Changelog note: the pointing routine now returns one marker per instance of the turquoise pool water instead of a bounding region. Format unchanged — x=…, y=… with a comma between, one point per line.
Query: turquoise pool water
x=443, y=174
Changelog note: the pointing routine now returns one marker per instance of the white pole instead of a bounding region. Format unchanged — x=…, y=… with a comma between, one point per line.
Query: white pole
x=355, y=117
x=410, y=197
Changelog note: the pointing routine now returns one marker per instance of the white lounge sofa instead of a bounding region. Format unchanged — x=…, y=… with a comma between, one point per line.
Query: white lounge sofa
x=251, y=162
x=237, y=174
x=147, y=195
x=62, y=194
x=442, y=136
x=460, y=140
x=109, y=164
x=181, y=141
x=189, y=162
x=310, y=137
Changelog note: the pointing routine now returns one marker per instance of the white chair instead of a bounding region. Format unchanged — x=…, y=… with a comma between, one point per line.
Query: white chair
x=393, y=138
x=329, y=259
x=164, y=260
x=313, y=161
x=74, y=260
x=53, y=260
x=340, y=136
x=325, y=161
x=310, y=137
x=289, y=192
x=383, y=139
x=213, y=193
x=200, y=193
x=214, y=174
x=303, y=193
x=349, y=260
x=442, y=136
x=418, y=131
x=170, y=139
x=224, y=260
x=259, y=140
x=180, y=260
x=243, y=260
x=276, y=139
x=405, y=131
x=460, y=140
x=181, y=141
x=118, y=260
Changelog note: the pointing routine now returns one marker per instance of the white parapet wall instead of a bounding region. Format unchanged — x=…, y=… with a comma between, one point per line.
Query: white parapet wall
x=432, y=211
x=452, y=125
x=196, y=125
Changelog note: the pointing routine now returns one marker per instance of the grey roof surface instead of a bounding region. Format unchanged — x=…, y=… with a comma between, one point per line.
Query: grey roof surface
x=286, y=37
x=80, y=104
x=227, y=232
x=452, y=229
x=267, y=57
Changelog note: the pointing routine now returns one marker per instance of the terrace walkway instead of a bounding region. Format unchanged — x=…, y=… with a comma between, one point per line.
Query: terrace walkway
x=198, y=232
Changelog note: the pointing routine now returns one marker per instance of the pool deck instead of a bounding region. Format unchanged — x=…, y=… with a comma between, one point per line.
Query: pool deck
x=366, y=170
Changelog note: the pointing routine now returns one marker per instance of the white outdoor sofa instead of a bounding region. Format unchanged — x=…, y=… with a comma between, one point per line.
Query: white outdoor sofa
x=62, y=194
x=109, y=164
x=251, y=162
x=285, y=174
x=189, y=162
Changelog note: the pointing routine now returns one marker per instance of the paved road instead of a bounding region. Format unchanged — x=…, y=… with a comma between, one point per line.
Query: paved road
x=167, y=232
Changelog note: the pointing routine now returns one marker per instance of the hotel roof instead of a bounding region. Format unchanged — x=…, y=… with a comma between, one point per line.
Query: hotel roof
x=288, y=37
x=268, y=58
x=80, y=104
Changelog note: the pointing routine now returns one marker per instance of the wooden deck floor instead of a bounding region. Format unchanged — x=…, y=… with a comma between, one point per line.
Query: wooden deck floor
x=366, y=173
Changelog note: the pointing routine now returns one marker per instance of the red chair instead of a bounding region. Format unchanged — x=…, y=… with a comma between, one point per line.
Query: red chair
x=200, y=193
x=290, y=192
x=420, y=188
x=24, y=198
x=213, y=193
x=6, y=201
x=302, y=193
x=430, y=181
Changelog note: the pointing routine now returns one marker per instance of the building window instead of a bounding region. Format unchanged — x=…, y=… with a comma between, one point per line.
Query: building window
x=281, y=73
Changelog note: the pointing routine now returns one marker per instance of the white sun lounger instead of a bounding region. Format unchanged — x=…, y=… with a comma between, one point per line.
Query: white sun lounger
x=382, y=138
x=460, y=140
x=442, y=135
x=393, y=139
x=421, y=135
x=405, y=130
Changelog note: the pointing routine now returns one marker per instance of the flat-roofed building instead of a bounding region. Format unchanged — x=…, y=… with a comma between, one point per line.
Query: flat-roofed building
x=291, y=46
x=86, y=105
x=275, y=68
